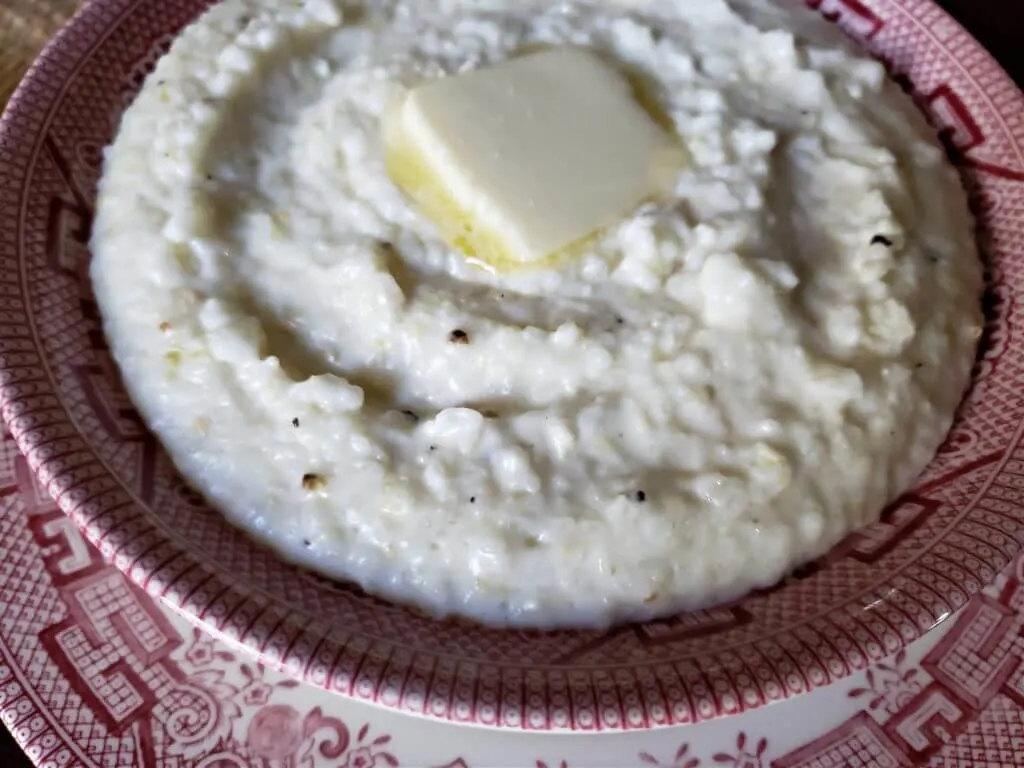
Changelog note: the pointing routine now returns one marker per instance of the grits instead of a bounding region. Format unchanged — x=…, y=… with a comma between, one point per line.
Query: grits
x=717, y=389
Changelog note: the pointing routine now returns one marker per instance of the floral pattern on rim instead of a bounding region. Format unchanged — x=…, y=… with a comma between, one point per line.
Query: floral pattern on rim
x=59, y=394
x=681, y=759
x=889, y=685
x=746, y=755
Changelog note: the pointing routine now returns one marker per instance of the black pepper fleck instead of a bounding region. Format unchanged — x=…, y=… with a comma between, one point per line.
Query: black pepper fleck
x=881, y=240
x=313, y=482
x=620, y=321
x=458, y=336
x=295, y=422
x=433, y=447
x=472, y=499
x=307, y=543
x=640, y=496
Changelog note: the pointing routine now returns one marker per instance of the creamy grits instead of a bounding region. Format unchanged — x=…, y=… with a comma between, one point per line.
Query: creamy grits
x=716, y=389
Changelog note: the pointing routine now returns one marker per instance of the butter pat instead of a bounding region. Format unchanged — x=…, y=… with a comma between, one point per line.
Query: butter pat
x=519, y=162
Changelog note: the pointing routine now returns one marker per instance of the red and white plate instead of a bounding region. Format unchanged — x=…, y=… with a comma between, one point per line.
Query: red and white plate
x=879, y=591
x=93, y=673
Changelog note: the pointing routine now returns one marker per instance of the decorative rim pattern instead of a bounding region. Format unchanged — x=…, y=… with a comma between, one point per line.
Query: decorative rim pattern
x=882, y=588
x=172, y=696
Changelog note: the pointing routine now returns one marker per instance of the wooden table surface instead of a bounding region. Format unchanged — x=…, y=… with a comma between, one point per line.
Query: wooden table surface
x=26, y=25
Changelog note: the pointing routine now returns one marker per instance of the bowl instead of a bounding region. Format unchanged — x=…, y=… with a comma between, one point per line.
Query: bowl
x=880, y=589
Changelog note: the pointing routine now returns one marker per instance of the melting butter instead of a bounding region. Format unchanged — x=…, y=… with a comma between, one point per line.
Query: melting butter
x=523, y=162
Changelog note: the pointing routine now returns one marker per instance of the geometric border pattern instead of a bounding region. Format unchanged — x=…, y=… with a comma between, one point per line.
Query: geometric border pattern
x=78, y=687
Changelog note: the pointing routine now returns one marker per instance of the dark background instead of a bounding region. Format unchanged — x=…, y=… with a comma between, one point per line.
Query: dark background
x=998, y=24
